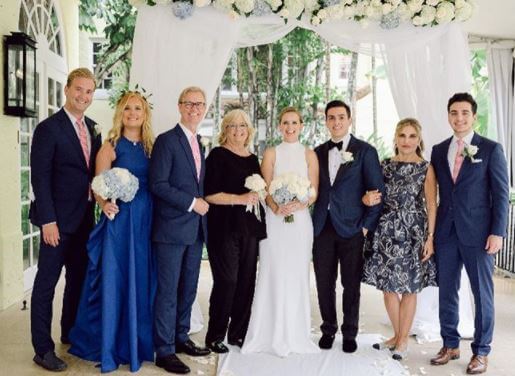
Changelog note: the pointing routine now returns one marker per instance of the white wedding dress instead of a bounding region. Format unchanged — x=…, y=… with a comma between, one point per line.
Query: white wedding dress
x=280, y=321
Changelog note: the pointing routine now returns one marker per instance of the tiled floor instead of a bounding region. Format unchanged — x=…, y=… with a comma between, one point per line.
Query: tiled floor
x=16, y=350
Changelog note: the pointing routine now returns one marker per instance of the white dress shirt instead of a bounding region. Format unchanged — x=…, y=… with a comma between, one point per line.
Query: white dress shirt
x=453, y=148
x=73, y=119
x=189, y=134
x=335, y=157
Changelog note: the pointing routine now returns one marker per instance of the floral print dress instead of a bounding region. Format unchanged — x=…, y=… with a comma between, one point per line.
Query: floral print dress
x=394, y=261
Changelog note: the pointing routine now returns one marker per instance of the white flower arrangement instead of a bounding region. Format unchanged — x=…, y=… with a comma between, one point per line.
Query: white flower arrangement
x=98, y=129
x=388, y=12
x=205, y=141
x=116, y=183
x=347, y=156
x=288, y=187
x=469, y=151
x=255, y=183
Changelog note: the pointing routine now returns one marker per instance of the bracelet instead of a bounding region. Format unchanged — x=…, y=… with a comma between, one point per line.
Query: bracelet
x=430, y=234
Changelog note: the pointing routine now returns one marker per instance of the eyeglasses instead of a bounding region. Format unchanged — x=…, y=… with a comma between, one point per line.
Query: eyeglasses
x=189, y=105
x=240, y=126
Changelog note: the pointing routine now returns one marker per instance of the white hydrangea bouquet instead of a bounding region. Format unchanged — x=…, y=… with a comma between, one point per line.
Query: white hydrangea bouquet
x=288, y=187
x=255, y=183
x=116, y=183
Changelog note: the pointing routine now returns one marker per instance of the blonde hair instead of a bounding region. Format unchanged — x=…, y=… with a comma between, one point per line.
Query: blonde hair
x=191, y=89
x=231, y=117
x=147, y=136
x=290, y=109
x=80, y=73
x=418, y=130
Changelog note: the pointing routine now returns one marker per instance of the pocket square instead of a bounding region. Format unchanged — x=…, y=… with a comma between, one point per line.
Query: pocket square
x=477, y=160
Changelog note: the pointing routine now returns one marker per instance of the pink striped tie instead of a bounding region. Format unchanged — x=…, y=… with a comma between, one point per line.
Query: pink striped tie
x=458, y=161
x=196, y=153
x=83, y=138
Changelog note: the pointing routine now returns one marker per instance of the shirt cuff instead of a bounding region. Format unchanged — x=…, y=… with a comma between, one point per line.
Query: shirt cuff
x=192, y=204
x=49, y=223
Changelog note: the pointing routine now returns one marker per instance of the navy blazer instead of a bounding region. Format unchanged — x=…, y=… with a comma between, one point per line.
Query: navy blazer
x=348, y=214
x=59, y=174
x=173, y=182
x=477, y=205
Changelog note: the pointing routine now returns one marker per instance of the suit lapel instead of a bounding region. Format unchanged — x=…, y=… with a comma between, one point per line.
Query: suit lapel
x=324, y=162
x=467, y=163
x=202, y=160
x=187, y=150
x=69, y=131
x=353, y=148
x=445, y=159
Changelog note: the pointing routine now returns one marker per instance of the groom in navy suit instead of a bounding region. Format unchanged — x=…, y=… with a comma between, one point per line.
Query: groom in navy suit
x=348, y=168
x=176, y=178
x=471, y=222
x=62, y=165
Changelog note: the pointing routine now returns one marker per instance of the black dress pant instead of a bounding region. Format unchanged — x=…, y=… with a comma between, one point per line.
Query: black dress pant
x=233, y=263
x=71, y=253
x=329, y=249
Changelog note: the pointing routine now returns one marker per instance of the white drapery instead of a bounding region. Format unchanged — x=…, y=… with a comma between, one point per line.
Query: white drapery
x=500, y=81
x=425, y=65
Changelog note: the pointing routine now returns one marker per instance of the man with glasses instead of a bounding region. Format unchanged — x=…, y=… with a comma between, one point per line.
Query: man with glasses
x=176, y=179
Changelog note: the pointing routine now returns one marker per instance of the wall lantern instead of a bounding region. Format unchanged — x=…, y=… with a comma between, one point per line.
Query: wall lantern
x=19, y=75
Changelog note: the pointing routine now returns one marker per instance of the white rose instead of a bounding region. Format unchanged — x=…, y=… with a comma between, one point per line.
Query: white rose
x=472, y=150
x=201, y=3
x=311, y=5
x=349, y=11
x=404, y=12
x=433, y=2
x=322, y=14
x=375, y=3
x=395, y=3
x=294, y=7
x=387, y=8
x=444, y=12
x=428, y=14
x=417, y=21
x=459, y=3
x=465, y=12
x=245, y=6
x=415, y=6
x=335, y=12
x=373, y=12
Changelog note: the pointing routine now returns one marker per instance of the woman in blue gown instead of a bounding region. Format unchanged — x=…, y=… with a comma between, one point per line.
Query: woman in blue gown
x=114, y=322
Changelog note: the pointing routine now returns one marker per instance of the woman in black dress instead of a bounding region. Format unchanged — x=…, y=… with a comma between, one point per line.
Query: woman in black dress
x=400, y=264
x=234, y=233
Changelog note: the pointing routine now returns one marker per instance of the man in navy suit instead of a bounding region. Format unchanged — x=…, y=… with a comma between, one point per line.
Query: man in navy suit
x=348, y=168
x=62, y=166
x=471, y=222
x=176, y=177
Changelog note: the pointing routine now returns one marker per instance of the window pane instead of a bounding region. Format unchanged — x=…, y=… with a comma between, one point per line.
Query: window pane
x=108, y=83
x=25, y=223
x=50, y=111
x=25, y=125
x=51, y=92
x=59, y=93
x=26, y=251
x=96, y=47
x=35, y=250
x=24, y=149
x=24, y=185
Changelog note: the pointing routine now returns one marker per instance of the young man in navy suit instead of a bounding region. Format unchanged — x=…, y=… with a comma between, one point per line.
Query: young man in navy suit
x=471, y=222
x=348, y=168
x=62, y=160
x=176, y=178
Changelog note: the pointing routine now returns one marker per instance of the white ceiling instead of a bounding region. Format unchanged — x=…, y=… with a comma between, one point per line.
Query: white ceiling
x=493, y=18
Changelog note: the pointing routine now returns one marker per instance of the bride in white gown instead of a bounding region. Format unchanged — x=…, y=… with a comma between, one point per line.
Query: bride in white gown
x=280, y=321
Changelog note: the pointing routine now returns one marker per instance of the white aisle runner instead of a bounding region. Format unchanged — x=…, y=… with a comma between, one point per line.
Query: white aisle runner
x=366, y=361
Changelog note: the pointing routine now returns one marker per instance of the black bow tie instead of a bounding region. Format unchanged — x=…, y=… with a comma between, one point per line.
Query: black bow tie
x=333, y=144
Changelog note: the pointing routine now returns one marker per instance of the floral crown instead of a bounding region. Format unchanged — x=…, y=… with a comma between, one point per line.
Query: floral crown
x=139, y=90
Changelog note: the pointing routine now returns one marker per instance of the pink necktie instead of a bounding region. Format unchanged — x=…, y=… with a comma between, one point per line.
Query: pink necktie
x=196, y=153
x=83, y=138
x=458, y=161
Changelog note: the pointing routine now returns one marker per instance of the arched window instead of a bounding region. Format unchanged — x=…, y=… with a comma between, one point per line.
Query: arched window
x=41, y=20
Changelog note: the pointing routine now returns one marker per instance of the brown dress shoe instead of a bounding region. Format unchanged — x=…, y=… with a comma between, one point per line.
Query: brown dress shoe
x=477, y=364
x=444, y=355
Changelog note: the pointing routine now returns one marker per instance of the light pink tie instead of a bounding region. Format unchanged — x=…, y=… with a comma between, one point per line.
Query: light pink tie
x=196, y=153
x=83, y=138
x=458, y=161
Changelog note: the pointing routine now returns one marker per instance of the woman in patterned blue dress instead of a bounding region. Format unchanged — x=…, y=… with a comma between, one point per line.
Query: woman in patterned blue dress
x=114, y=322
x=400, y=262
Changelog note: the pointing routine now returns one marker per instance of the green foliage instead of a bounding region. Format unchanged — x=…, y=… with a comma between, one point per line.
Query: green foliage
x=480, y=90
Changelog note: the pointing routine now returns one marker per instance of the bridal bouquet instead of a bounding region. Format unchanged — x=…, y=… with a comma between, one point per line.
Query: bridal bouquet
x=255, y=183
x=288, y=187
x=116, y=183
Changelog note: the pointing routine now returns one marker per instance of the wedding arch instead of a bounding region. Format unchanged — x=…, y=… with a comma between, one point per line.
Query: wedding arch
x=425, y=65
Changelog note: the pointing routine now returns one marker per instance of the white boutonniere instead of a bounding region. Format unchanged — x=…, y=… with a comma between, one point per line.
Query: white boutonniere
x=346, y=156
x=97, y=128
x=205, y=141
x=469, y=151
